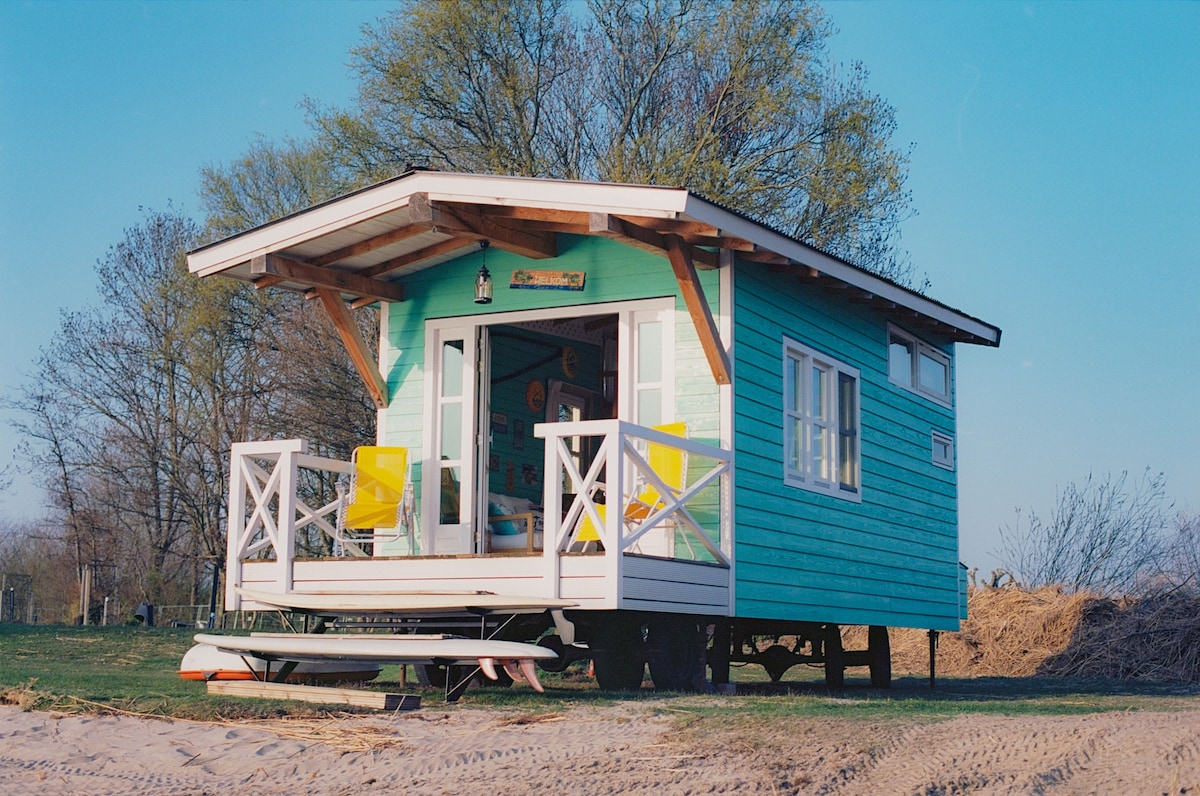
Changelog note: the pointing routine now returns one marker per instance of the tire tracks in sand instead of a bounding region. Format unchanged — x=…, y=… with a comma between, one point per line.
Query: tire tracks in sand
x=1104, y=753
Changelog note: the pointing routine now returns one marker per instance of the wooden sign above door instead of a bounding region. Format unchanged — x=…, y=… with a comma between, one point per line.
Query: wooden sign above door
x=547, y=280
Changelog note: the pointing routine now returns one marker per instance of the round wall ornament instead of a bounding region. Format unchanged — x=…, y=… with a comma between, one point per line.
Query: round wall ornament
x=535, y=396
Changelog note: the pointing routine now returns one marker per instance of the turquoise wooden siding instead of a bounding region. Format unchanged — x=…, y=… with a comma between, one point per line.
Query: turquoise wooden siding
x=891, y=559
x=614, y=272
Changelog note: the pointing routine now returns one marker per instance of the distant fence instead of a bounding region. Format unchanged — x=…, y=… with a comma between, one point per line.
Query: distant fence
x=196, y=616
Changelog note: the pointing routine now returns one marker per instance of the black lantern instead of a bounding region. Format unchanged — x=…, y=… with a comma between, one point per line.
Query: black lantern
x=483, y=282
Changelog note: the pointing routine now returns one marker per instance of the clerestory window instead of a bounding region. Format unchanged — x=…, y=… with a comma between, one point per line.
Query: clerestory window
x=917, y=366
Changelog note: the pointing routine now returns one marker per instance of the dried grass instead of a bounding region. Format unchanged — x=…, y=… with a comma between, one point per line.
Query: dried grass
x=331, y=731
x=1013, y=632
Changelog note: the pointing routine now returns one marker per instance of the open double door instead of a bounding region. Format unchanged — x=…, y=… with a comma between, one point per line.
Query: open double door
x=490, y=378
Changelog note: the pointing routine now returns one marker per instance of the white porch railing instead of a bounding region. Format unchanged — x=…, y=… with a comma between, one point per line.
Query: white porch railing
x=266, y=513
x=674, y=555
x=687, y=524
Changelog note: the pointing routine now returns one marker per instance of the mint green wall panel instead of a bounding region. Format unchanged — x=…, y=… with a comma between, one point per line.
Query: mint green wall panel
x=891, y=559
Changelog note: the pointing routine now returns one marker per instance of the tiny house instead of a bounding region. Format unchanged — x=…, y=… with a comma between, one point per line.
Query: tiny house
x=690, y=427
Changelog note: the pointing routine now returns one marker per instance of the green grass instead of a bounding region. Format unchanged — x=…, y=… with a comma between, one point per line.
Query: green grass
x=136, y=669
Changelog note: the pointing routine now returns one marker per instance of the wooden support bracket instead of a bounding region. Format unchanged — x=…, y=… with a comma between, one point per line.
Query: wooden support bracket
x=693, y=297
x=356, y=346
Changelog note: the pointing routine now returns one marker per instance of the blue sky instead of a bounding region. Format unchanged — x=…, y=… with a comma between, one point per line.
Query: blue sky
x=1056, y=171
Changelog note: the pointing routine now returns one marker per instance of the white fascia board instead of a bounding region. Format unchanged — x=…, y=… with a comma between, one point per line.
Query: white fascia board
x=741, y=227
x=440, y=186
x=583, y=197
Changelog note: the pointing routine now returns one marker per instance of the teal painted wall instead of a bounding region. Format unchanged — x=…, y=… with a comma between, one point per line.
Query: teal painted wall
x=614, y=272
x=891, y=559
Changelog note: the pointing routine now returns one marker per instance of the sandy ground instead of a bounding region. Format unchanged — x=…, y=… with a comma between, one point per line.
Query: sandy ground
x=623, y=748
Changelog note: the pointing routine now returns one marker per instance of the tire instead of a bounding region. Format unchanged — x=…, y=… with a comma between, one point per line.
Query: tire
x=676, y=650
x=555, y=645
x=617, y=656
x=835, y=663
x=879, y=649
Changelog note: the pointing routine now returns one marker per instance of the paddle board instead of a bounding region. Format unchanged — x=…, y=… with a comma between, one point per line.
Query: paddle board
x=404, y=602
x=517, y=658
x=206, y=662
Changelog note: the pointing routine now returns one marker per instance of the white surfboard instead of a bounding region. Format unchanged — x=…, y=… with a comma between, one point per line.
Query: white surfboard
x=516, y=658
x=347, y=602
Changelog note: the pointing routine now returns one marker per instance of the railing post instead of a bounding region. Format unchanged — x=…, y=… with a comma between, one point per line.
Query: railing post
x=285, y=522
x=614, y=446
x=552, y=516
x=235, y=528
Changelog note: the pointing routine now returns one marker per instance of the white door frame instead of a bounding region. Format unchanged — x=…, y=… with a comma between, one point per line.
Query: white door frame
x=460, y=537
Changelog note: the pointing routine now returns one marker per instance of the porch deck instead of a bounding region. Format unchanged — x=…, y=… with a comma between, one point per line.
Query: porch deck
x=675, y=558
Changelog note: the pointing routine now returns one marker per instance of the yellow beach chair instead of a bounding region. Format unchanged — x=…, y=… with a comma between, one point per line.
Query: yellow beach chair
x=380, y=497
x=668, y=463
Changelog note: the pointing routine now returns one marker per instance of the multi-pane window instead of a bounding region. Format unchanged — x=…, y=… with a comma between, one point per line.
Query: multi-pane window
x=820, y=422
x=917, y=366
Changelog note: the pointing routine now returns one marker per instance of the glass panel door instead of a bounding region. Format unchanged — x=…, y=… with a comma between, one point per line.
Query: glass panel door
x=651, y=401
x=449, y=475
x=646, y=367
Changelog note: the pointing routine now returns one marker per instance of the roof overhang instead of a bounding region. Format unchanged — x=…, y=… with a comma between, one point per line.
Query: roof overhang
x=360, y=244
x=357, y=248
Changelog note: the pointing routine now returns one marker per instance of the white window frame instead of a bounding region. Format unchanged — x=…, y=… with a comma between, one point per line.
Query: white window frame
x=919, y=349
x=800, y=410
x=941, y=441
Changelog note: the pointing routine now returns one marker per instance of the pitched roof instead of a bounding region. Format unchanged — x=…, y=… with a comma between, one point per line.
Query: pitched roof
x=361, y=243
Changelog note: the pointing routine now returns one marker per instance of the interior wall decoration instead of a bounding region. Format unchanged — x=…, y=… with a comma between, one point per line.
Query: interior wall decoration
x=535, y=396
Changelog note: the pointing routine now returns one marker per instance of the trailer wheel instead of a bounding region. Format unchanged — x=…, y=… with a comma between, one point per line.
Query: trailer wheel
x=879, y=648
x=835, y=662
x=676, y=650
x=617, y=656
x=555, y=645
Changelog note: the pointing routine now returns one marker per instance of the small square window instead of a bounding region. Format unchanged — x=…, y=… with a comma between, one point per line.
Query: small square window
x=943, y=450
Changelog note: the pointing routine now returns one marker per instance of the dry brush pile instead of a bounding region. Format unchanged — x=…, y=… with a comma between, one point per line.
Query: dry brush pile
x=1013, y=632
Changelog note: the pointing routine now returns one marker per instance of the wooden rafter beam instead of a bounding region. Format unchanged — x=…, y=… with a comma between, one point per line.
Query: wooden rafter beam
x=765, y=256
x=693, y=297
x=370, y=244
x=736, y=244
x=356, y=346
x=466, y=220
x=263, y=282
x=287, y=270
x=558, y=226
x=405, y=260
x=688, y=230
x=609, y=226
x=547, y=214
x=275, y=269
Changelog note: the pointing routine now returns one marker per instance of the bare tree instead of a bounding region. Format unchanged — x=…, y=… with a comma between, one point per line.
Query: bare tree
x=1107, y=535
x=1183, y=554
